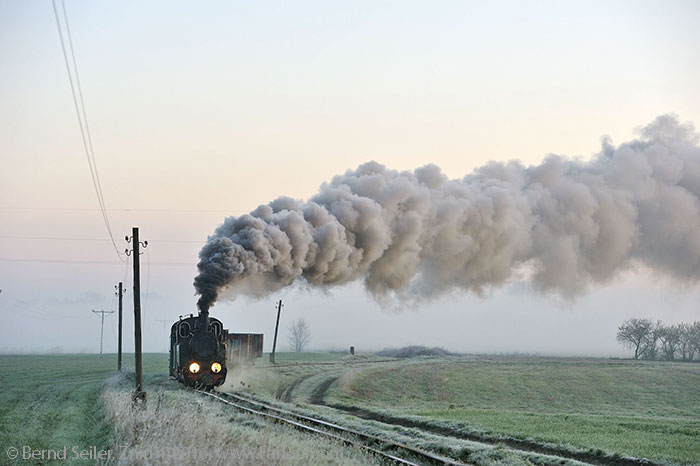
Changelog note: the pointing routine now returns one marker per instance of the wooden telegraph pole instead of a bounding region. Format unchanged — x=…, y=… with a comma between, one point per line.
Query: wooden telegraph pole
x=277, y=325
x=102, y=327
x=120, y=293
x=139, y=394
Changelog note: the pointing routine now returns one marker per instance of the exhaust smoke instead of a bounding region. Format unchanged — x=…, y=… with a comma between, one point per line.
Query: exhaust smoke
x=416, y=234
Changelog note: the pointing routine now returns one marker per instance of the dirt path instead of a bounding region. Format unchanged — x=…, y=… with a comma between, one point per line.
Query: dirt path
x=285, y=393
x=320, y=391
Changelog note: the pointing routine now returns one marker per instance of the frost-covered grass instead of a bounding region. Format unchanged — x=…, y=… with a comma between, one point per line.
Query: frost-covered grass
x=639, y=409
x=268, y=379
x=266, y=382
x=179, y=427
x=283, y=357
x=595, y=406
x=470, y=452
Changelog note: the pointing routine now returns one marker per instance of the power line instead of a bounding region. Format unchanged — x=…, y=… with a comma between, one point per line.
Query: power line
x=58, y=261
x=80, y=209
x=28, y=309
x=82, y=118
x=148, y=281
x=92, y=262
x=66, y=238
x=126, y=271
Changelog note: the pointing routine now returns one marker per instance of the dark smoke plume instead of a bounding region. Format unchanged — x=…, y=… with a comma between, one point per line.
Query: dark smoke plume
x=413, y=235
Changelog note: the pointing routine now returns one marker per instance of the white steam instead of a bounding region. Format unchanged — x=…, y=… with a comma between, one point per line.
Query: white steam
x=417, y=234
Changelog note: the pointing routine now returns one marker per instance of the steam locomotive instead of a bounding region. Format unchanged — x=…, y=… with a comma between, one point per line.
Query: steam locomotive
x=198, y=351
x=200, y=347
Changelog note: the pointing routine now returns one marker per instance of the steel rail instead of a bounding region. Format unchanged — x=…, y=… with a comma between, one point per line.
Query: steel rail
x=301, y=422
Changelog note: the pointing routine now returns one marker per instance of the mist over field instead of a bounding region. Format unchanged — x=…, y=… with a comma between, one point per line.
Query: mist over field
x=383, y=171
x=513, y=319
x=476, y=224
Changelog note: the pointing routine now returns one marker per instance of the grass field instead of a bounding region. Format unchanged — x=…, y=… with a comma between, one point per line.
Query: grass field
x=51, y=401
x=628, y=408
x=638, y=409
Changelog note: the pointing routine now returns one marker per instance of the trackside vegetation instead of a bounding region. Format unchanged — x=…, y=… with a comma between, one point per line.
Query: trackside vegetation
x=51, y=401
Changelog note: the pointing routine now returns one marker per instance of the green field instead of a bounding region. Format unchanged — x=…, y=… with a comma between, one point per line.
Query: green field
x=614, y=407
x=629, y=408
x=51, y=401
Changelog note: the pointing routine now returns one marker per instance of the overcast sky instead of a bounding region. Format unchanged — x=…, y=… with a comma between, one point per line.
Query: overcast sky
x=202, y=111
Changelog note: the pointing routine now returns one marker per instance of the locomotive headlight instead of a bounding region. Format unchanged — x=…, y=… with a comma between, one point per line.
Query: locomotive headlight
x=216, y=368
x=194, y=367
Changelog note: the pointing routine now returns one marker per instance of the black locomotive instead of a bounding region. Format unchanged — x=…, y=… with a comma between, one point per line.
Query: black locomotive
x=198, y=351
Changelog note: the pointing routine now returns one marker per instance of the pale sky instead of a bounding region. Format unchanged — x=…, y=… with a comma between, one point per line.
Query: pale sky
x=199, y=111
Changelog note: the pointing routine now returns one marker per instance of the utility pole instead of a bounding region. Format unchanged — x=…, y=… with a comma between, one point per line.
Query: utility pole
x=139, y=394
x=277, y=326
x=102, y=327
x=120, y=293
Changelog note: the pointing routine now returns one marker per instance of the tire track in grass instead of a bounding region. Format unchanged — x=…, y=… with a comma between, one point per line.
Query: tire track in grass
x=319, y=392
x=285, y=393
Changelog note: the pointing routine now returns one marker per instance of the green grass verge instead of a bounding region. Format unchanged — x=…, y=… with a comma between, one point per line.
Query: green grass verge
x=51, y=401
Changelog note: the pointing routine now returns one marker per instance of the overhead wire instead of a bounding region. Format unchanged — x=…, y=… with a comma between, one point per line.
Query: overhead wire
x=58, y=261
x=91, y=262
x=148, y=281
x=113, y=306
x=66, y=238
x=82, y=117
x=14, y=306
x=126, y=273
x=77, y=209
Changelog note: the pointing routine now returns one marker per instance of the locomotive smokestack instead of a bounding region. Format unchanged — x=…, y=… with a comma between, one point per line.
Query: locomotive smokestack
x=417, y=234
x=204, y=319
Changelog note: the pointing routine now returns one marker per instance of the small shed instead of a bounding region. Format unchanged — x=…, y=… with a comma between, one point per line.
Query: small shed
x=242, y=349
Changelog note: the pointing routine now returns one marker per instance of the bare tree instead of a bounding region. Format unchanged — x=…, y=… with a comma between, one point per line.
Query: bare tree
x=635, y=333
x=654, y=340
x=652, y=345
x=670, y=339
x=299, y=335
x=694, y=332
x=685, y=343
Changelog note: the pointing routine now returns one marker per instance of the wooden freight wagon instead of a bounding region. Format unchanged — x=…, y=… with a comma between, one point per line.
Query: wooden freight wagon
x=242, y=349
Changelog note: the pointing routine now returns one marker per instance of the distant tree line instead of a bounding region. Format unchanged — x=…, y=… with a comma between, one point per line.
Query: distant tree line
x=655, y=340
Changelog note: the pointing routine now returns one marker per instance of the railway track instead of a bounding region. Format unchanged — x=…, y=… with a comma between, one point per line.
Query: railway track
x=395, y=452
